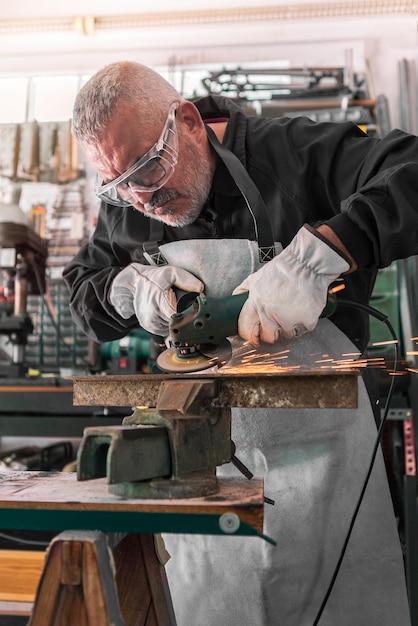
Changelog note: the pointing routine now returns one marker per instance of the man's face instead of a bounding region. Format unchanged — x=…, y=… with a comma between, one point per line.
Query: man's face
x=180, y=200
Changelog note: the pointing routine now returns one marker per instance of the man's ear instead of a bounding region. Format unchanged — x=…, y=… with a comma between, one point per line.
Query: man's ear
x=188, y=115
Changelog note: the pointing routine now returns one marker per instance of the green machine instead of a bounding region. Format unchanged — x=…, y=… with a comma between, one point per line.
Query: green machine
x=129, y=355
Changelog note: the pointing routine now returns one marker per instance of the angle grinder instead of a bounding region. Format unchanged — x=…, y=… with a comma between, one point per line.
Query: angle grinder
x=198, y=333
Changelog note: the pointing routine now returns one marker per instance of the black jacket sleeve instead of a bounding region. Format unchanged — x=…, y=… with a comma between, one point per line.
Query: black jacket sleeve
x=364, y=188
x=384, y=207
x=88, y=277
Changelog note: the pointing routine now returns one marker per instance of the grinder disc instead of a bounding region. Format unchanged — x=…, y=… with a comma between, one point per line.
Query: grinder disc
x=169, y=361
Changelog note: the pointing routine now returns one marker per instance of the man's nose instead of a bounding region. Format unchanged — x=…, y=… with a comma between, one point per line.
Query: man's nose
x=140, y=196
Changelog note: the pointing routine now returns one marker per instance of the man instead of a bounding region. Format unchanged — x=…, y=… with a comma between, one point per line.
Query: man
x=200, y=197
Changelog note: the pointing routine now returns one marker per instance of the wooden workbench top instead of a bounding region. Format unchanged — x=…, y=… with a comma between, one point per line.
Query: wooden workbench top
x=53, y=493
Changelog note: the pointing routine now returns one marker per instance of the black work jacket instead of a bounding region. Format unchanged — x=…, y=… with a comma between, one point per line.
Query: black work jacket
x=365, y=189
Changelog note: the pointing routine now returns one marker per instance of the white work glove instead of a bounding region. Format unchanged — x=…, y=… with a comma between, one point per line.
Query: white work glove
x=146, y=291
x=288, y=294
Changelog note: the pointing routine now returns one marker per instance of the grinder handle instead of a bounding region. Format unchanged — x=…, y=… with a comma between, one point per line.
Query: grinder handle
x=209, y=320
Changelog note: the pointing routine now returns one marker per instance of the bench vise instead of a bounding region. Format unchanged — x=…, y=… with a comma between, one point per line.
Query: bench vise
x=171, y=451
x=180, y=430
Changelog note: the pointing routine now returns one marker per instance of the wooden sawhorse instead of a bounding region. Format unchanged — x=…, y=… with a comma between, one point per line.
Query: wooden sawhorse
x=85, y=582
x=106, y=570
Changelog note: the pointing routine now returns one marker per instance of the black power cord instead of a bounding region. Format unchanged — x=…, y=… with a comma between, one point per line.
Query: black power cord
x=383, y=318
x=23, y=541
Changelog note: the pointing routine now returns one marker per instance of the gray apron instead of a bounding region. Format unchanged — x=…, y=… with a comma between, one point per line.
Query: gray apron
x=313, y=463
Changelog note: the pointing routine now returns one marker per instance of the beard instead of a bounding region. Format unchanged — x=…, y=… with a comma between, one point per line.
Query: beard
x=183, y=208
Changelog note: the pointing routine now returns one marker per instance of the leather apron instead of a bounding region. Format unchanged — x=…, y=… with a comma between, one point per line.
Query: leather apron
x=313, y=463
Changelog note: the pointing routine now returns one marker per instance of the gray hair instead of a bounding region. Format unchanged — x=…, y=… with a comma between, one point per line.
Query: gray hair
x=132, y=82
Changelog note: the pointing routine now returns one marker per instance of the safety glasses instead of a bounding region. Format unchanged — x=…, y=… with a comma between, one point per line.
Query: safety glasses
x=149, y=173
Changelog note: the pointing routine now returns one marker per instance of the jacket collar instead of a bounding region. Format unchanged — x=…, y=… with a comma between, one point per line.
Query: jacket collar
x=212, y=108
x=218, y=107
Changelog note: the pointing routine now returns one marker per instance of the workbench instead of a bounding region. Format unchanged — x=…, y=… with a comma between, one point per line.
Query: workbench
x=96, y=568
x=104, y=568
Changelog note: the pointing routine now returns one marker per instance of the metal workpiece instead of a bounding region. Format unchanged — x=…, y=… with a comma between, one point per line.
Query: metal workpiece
x=311, y=389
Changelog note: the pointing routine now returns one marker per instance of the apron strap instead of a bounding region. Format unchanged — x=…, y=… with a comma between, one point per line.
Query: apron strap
x=253, y=200
x=252, y=197
x=150, y=248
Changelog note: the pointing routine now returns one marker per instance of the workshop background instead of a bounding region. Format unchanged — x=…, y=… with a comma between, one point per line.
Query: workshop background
x=342, y=60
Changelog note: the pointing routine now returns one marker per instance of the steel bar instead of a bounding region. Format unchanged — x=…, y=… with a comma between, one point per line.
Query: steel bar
x=322, y=389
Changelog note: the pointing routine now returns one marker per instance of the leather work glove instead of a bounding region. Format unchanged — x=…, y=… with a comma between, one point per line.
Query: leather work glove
x=146, y=291
x=287, y=296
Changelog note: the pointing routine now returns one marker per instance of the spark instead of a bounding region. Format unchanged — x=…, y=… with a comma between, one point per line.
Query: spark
x=337, y=288
x=375, y=360
x=344, y=364
x=413, y=353
x=282, y=354
x=385, y=343
x=264, y=357
x=251, y=361
x=260, y=368
x=250, y=351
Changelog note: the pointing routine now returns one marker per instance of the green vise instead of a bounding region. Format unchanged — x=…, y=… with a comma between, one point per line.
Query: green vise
x=170, y=451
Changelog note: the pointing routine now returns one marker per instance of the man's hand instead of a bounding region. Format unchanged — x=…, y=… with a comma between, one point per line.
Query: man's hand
x=287, y=296
x=146, y=291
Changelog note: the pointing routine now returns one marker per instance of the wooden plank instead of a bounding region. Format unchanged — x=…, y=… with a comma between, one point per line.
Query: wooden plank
x=161, y=598
x=136, y=560
x=129, y=566
x=98, y=583
x=20, y=571
x=50, y=579
x=61, y=491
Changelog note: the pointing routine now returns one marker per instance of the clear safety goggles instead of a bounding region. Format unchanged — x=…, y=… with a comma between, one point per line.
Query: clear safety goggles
x=149, y=173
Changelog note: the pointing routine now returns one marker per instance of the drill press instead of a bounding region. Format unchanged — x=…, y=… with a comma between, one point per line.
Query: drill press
x=23, y=255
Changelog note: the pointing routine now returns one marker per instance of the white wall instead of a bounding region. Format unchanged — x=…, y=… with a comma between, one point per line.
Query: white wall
x=377, y=40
